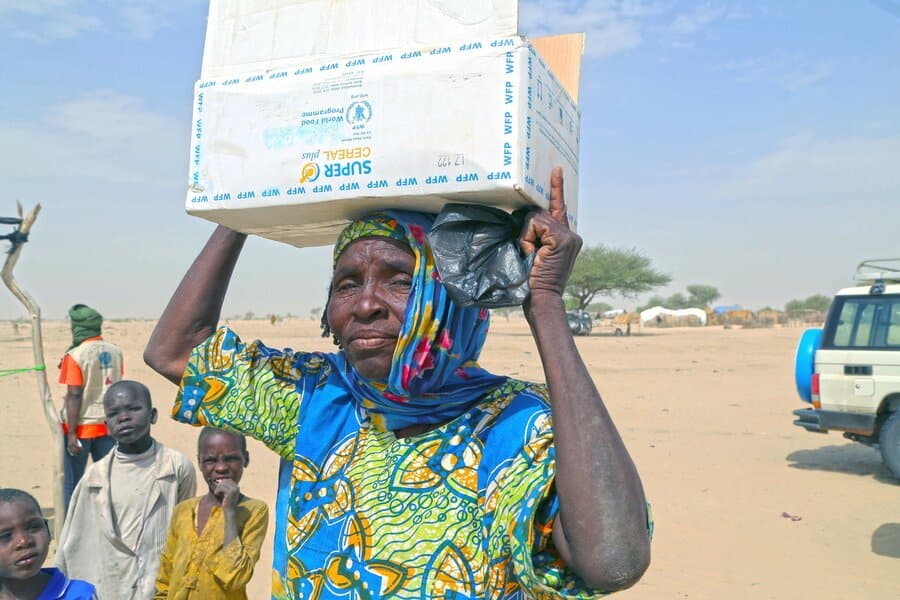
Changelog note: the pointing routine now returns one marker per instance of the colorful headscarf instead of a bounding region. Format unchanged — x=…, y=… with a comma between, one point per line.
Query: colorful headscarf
x=86, y=323
x=435, y=374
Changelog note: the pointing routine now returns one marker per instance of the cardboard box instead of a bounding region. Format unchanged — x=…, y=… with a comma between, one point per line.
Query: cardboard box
x=245, y=36
x=292, y=153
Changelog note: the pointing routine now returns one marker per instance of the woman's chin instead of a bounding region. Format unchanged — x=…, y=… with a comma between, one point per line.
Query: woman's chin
x=372, y=367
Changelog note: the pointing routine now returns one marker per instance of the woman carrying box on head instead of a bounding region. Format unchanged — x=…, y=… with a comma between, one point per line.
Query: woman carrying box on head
x=407, y=470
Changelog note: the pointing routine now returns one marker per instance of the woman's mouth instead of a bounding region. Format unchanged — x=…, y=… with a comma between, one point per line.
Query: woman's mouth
x=372, y=342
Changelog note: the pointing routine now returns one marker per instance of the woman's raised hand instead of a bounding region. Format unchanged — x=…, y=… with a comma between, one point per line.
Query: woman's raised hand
x=557, y=246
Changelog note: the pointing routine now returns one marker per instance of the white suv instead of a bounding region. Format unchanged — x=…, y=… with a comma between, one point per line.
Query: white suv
x=850, y=370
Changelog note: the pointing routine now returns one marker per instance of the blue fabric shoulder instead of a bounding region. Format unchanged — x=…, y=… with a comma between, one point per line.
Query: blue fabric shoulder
x=61, y=587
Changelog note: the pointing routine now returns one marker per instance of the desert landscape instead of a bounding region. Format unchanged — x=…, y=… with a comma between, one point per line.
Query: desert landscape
x=746, y=504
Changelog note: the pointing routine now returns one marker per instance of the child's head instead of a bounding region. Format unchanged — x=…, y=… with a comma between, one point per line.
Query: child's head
x=24, y=535
x=129, y=414
x=221, y=455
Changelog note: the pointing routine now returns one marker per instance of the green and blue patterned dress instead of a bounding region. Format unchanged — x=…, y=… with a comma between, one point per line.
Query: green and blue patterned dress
x=463, y=511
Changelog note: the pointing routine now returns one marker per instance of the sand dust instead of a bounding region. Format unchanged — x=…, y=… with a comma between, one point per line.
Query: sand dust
x=746, y=504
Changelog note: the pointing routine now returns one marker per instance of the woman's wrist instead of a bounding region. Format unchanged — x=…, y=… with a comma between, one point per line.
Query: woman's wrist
x=542, y=303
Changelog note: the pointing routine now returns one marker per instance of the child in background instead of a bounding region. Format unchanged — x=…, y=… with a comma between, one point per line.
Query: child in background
x=24, y=541
x=119, y=515
x=214, y=540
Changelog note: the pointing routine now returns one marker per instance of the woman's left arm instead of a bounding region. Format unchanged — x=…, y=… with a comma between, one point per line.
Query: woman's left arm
x=601, y=529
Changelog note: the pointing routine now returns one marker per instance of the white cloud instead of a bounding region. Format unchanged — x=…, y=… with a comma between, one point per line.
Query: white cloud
x=34, y=7
x=104, y=134
x=801, y=79
x=811, y=170
x=47, y=20
x=612, y=26
x=702, y=17
x=793, y=73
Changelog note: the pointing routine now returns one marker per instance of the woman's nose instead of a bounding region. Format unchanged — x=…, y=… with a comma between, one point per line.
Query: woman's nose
x=370, y=303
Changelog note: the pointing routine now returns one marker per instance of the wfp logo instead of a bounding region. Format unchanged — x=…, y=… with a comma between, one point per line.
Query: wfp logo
x=309, y=172
x=358, y=113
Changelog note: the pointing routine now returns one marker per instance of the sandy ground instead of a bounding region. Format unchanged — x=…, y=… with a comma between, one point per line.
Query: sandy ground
x=706, y=414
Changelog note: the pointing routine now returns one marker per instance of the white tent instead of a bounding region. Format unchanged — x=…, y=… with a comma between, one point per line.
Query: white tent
x=656, y=311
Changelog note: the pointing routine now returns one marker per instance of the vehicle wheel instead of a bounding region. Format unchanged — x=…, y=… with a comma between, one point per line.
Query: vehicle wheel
x=889, y=443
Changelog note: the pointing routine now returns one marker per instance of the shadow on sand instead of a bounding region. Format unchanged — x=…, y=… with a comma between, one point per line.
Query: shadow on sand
x=851, y=458
x=886, y=540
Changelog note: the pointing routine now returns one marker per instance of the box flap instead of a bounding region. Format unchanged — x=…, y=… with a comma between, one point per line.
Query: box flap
x=563, y=53
x=253, y=35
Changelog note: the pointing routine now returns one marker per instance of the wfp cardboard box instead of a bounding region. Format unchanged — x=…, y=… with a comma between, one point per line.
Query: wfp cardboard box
x=311, y=113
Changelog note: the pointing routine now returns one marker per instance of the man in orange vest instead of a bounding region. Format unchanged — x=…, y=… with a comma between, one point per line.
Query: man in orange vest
x=88, y=368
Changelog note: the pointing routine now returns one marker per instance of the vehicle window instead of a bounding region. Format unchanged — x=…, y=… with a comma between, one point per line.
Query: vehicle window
x=862, y=331
x=846, y=322
x=893, y=328
x=870, y=322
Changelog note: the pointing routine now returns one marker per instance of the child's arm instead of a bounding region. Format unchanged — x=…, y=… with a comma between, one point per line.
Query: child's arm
x=233, y=565
x=231, y=494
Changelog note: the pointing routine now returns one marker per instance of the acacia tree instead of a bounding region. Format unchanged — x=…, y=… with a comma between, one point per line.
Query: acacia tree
x=702, y=295
x=818, y=302
x=605, y=271
x=699, y=296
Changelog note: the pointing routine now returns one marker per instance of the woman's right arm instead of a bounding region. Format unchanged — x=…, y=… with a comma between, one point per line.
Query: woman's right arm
x=193, y=312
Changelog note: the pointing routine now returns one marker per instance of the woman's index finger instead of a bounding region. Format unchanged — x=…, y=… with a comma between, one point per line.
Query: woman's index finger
x=557, y=206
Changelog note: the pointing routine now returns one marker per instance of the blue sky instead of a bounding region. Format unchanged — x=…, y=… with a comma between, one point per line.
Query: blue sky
x=754, y=147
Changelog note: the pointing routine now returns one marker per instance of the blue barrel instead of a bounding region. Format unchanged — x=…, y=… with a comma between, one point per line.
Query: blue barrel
x=805, y=362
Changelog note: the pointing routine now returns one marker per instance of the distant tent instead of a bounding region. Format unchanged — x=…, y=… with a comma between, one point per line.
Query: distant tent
x=721, y=310
x=659, y=311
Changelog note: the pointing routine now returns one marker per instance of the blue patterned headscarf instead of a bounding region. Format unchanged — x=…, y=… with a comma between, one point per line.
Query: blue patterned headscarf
x=435, y=374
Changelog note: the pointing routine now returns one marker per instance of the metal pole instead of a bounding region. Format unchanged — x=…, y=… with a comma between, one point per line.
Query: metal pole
x=37, y=344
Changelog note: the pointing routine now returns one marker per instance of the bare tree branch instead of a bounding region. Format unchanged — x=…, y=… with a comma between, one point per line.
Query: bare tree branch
x=37, y=343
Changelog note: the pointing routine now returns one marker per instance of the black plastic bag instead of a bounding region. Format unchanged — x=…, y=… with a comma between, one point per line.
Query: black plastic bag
x=477, y=254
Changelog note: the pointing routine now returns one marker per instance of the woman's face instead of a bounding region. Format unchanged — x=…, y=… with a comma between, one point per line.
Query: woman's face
x=369, y=290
